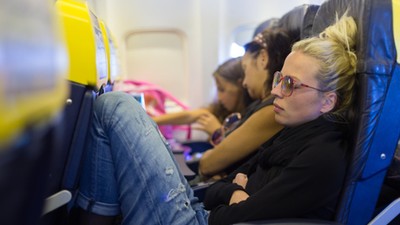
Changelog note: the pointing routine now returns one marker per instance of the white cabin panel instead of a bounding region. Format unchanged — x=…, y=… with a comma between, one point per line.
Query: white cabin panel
x=177, y=44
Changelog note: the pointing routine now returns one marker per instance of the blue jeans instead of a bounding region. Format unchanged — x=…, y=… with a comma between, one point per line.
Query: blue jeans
x=129, y=169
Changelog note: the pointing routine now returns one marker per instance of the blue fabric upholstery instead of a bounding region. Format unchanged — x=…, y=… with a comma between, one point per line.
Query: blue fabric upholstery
x=299, y=21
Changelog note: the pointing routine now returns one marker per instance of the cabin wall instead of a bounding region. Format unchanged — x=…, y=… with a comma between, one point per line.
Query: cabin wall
x=177, y=44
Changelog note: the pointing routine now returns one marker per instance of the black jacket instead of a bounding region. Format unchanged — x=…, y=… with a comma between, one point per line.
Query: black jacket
x=298, y=173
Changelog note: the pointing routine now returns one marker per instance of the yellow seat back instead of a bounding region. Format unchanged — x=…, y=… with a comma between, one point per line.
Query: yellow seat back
x=87, y=53
x=32, y=68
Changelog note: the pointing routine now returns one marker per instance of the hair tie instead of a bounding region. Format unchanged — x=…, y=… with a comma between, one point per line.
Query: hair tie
x=259, y=39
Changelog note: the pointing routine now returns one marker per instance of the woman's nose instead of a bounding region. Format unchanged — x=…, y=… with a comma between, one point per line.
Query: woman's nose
x=276, y=91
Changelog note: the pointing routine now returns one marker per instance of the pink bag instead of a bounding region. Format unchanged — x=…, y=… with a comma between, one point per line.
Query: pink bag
x=155, y=98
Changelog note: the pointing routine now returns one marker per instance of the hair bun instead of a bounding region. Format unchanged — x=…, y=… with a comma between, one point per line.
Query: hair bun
x=343, y=31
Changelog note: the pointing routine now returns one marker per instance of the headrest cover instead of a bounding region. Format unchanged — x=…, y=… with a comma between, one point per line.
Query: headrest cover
x=32, y=67
x=299, y=21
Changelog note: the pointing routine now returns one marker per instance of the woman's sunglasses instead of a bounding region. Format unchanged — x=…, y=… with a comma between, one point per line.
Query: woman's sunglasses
x=288, y=84
x=229, y=124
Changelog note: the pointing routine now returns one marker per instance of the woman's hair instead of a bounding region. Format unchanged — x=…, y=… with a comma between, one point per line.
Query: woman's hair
x=278, y=44
x=232, y=71
x=334, y=50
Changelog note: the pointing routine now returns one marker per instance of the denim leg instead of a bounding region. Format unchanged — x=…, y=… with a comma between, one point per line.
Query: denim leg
x=130, y=169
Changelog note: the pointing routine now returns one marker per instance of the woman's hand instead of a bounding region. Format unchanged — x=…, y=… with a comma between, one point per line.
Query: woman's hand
x=241, y=179
x=239, y=195
x=207, y=122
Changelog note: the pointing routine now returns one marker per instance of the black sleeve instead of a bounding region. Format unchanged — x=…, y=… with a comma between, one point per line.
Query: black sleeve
x=221, y=194
x=221, y=191
x=309, y=182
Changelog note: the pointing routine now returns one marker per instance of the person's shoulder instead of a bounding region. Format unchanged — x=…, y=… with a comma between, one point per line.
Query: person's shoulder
x=259, y=104
x=264, y=115
x=266, y=111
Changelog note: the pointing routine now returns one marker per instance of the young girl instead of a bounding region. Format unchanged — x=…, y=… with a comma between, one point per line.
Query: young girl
x=232, y=97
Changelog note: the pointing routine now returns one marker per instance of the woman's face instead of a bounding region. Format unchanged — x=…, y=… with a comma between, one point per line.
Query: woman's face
x=255, y=74
x=305, y=104
x=229, y=94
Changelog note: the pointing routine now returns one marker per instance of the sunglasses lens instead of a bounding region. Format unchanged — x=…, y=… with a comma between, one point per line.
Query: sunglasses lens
x=287, y=86
x=277, y=79
x=229, y=124
x=217, y=137
x=231, y=120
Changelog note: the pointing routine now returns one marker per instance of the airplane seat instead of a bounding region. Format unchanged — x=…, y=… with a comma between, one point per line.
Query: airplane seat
x=299, y=21
x=87, y=77
x=273, y=22
x=33, y=89
x=113, y=70
x=377, y=124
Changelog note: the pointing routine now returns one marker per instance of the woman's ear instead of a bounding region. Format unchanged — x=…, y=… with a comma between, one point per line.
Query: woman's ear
x=263, y=58
x=328, y=102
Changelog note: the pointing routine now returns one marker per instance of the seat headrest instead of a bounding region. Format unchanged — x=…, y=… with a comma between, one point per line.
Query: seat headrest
x=299, y=21
x=111, y=51
x=87, y=54
x=32, y=68
x=273, y=22
x=376, y=50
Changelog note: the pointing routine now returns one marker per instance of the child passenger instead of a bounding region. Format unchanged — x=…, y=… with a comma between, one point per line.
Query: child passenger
x=231, y=97
x=298, y=173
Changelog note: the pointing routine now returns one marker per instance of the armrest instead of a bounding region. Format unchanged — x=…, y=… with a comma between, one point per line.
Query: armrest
x=387, y=214
x=193, y=161
x=200, y=190
x=57, y=200
x=291, y=222
x=187, y=172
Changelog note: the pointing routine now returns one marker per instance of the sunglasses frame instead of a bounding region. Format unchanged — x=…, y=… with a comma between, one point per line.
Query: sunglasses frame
x=289, y=83
x=229, y=123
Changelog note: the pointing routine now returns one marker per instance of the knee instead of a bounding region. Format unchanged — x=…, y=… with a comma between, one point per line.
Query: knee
x=113, y=97
x=110, y=102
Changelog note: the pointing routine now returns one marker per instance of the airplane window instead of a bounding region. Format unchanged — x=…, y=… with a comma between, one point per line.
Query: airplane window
x=236, y=50
x=240, y=36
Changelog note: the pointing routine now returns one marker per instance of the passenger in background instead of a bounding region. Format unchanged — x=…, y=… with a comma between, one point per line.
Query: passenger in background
x=263, y=56
x=298, y=173
x=232, y=97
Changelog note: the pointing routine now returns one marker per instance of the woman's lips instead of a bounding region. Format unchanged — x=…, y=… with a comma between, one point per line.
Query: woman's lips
x=277, y=108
